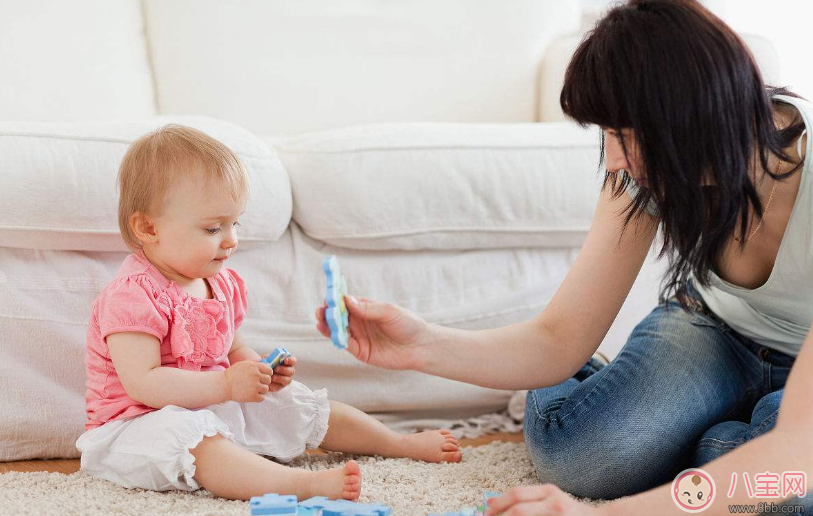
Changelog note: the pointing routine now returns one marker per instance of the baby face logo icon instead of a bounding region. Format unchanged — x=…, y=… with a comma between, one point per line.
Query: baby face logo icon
x=693, y=490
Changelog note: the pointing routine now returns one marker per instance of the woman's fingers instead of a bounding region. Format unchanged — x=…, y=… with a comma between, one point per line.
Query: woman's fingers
x=518, y=495
x=283, y=371
x=366, y=309
x=320, y=314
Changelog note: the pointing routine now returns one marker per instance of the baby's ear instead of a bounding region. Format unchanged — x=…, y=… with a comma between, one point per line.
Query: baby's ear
x=143, y=227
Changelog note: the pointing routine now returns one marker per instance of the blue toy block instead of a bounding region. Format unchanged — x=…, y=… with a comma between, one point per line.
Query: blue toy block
x=317, y=502
x=345, y=507
x=336, y=312
x=276, y=357
x=489, y=494
x=272, y=503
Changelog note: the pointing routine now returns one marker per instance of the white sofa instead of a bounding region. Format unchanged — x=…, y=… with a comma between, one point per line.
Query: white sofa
x=454, y=203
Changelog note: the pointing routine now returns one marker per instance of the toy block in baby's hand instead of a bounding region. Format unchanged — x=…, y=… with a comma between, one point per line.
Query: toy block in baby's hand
x=276, y=357
x=336, y=313
x=272, y=503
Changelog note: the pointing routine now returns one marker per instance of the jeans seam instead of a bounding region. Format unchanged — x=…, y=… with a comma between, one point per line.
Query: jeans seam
x=768, y=421
x=563, y=417
x=539, y=415
x=718, y=443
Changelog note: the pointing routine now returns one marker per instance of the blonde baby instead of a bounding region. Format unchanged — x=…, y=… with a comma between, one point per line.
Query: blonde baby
x=175, y=398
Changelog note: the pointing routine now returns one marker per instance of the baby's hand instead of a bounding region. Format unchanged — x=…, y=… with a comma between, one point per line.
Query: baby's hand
x=283, y=375
x=248, y=380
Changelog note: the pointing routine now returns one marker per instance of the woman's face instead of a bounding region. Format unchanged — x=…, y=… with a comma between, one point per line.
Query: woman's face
x=617, y=160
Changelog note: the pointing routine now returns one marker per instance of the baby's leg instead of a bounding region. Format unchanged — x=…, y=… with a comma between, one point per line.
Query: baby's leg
x=226, y=469
x=352, y=431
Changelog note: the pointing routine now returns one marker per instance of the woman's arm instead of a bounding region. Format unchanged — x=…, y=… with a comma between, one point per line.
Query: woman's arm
x=788, y=447
x=540, y=352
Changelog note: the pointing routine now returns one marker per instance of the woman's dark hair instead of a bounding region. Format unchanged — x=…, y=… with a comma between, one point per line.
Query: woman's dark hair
x=692, y=93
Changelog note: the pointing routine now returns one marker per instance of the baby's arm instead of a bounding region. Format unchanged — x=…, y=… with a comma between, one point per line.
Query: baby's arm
x=137, y=359
x=283, y=374
x=239, y=351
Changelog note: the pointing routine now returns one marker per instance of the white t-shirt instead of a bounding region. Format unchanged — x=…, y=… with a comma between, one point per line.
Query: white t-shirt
x=779, y=313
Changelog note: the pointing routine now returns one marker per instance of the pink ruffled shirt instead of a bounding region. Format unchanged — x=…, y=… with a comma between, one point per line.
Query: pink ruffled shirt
x=195, y=334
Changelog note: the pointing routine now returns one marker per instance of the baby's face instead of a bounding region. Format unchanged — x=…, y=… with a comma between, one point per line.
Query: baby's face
x=197, y=231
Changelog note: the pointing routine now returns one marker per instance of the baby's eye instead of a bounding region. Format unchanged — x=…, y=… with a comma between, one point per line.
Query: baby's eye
x=212, y=231
x=236, y=223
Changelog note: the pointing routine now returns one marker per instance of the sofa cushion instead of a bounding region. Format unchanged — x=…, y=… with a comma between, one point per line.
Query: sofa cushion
x=289, y=66
x=444, y=186
x=78, y=60
x=58, y=187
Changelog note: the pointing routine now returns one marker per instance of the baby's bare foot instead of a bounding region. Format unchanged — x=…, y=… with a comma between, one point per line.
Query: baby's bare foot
x=344, y=482
x=432, y=446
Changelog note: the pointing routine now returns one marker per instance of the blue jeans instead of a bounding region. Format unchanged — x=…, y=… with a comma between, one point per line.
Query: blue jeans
x=684, y=390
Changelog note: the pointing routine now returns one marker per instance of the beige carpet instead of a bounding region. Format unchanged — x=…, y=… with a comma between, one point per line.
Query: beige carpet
x=412, y=488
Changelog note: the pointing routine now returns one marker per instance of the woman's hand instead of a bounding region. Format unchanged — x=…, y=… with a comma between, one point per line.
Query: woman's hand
x=541, y=500
x=283, y=375
x=380, y=334
x=248, y=380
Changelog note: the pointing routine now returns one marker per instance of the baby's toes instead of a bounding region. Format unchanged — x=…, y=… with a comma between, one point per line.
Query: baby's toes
x=451, y=456
x=352, y=481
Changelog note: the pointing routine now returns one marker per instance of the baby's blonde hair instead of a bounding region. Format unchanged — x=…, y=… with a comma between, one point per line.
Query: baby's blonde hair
x=154, y=163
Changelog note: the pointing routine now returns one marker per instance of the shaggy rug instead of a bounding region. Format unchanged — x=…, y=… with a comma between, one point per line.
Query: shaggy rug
x=412, y=488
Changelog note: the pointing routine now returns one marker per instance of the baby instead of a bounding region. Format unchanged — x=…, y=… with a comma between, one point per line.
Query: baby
x=175, y=398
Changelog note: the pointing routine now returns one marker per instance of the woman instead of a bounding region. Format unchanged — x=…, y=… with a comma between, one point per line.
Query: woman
x=696, y=145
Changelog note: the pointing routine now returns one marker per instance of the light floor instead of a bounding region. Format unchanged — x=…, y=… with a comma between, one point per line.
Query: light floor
x=69, y=466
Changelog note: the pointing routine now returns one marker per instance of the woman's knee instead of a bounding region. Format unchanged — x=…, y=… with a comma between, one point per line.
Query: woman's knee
x=586, y=457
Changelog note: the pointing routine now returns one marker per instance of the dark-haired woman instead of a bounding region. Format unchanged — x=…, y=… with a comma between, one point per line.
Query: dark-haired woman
x=720, y=374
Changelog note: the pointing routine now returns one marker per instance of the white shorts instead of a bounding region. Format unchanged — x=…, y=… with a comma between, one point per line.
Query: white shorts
x=151, y=451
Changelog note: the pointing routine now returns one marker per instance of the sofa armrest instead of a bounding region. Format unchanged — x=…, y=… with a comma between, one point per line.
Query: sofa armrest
x=58, y=187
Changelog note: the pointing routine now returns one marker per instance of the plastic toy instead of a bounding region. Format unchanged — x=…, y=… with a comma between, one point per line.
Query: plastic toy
x=345, y=507
x=336, y=312
x=276, y=357
x=473, y=511
x=273, y=503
